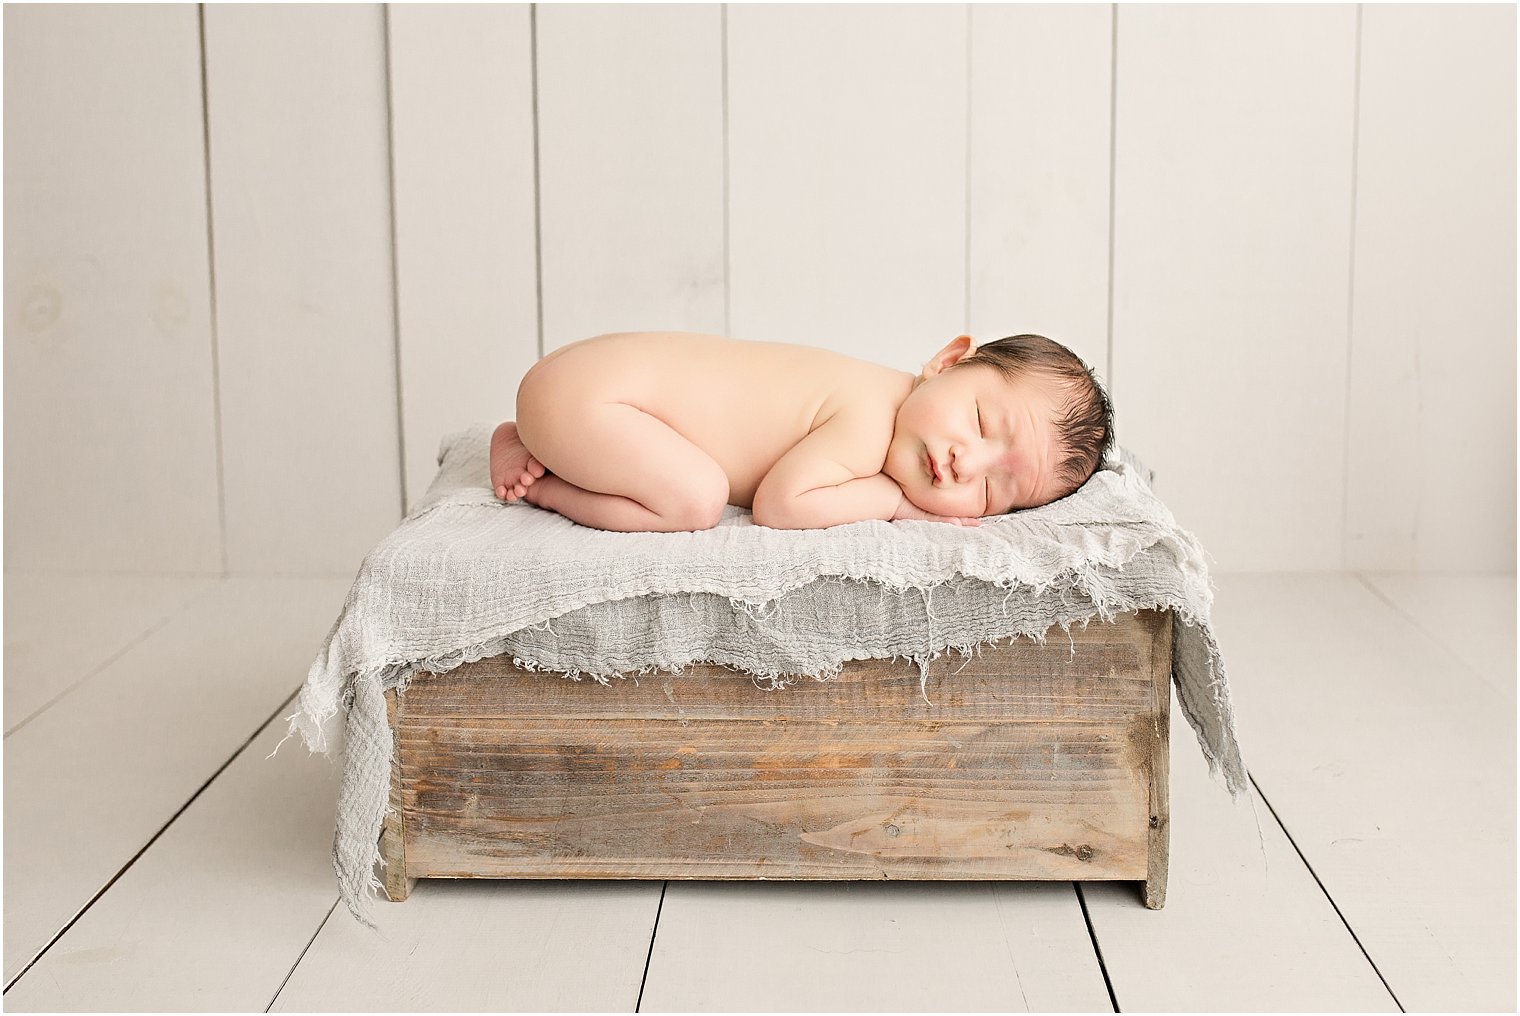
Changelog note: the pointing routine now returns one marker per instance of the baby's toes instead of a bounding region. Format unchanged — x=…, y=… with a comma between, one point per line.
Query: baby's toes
x=526, y=480
x=534, y=467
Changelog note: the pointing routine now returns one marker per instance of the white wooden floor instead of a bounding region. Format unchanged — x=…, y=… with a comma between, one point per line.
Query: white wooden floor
x=156, y=860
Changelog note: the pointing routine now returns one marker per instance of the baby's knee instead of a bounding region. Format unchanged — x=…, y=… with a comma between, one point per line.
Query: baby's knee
x=703, y=501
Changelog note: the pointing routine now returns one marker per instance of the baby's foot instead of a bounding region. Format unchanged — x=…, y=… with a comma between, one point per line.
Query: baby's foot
x=513, y=470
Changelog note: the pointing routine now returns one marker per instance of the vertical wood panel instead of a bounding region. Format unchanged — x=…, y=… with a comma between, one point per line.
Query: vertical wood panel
x=110, y=425
x=461, y=91
x=630, y=114
x=301, y=216
x=847, y=177
x=1431, y=470
x=1040, y=83
x=1231, y=270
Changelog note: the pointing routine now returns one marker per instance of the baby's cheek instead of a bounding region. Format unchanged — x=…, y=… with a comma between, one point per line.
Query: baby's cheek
x=924, y=503
x=937, y=502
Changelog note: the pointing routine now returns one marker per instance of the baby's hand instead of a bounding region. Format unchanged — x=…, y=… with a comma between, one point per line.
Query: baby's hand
x=909, y=510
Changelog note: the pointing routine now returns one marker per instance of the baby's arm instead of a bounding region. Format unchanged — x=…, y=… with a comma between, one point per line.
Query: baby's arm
x=909, y=510
x=831, y=477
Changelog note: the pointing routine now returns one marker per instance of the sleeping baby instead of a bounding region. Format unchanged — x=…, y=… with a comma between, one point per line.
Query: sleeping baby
x=659, y=431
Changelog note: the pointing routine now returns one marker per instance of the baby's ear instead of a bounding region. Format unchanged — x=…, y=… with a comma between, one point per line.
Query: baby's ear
x=959, y=349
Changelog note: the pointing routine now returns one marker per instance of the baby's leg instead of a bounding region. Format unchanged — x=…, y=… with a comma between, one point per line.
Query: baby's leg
x=613, y=466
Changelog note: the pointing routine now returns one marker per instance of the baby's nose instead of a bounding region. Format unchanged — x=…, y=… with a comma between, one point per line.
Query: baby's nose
x=964, y=464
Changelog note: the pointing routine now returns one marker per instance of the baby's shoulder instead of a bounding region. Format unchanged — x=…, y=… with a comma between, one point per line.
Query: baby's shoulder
x=867, y=392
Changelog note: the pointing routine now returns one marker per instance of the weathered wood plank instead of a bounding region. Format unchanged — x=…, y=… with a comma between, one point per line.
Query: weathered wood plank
x=1158, y=767
x=393, y=829
x=1027, y=761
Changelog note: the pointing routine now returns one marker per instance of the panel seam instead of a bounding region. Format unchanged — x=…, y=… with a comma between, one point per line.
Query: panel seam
x=967, y=324
x=390, y=146
x=1092, y=934
x=1113, y=134
x=216, y=368
x=1331, y=899
x=1356, y=125
x=538, y=194
x=723, y=87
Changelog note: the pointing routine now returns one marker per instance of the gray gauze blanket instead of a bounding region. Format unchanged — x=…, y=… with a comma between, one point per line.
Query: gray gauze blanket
x=466, y=576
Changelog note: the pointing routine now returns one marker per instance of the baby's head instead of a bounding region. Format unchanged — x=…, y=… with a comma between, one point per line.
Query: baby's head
x=1018, y=423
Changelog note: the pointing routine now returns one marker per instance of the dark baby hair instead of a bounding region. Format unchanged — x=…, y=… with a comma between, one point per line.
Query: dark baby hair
x=1085, y=428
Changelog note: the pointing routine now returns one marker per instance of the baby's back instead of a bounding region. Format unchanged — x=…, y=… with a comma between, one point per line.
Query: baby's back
x=745, y=403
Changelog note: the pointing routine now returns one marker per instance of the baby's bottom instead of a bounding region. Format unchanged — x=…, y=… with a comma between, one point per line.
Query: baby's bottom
x=611, y=465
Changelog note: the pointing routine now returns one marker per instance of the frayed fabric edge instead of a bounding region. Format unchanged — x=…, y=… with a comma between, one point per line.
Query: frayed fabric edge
x=369, y=744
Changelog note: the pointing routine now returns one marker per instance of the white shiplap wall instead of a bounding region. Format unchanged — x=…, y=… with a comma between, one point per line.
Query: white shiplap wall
x=1232, y=219
x=1284, y=235
x=110, y=417
x=300, y=207
x=630, y=142
x=847, y=177
x=1041, y=92
x=461, y=87
x=1431, y=464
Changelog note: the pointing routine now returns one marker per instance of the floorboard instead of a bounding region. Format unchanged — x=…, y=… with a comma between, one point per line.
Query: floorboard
x=1245, y=928
x=95, y=776
x=483, y=946
x=216, y=913
x=1391, y=763
x=61, y=629
x=873, y=946
x=1376, y=714
x=1470, y=616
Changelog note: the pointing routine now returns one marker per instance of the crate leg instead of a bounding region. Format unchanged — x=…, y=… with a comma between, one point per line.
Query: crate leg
x=1158, y=845
x=1155, y=891
x=393, y=832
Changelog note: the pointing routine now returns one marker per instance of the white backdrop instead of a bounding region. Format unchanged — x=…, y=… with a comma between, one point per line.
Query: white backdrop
x=258, y=260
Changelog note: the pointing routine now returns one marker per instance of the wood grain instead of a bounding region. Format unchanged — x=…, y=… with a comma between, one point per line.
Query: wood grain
x=1027, y=761
x=1158, y=766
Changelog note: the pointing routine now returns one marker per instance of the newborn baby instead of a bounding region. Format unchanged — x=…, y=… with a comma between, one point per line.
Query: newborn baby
x=658, y=431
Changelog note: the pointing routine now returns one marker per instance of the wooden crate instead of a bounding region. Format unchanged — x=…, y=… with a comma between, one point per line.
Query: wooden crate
x=1031, y=763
